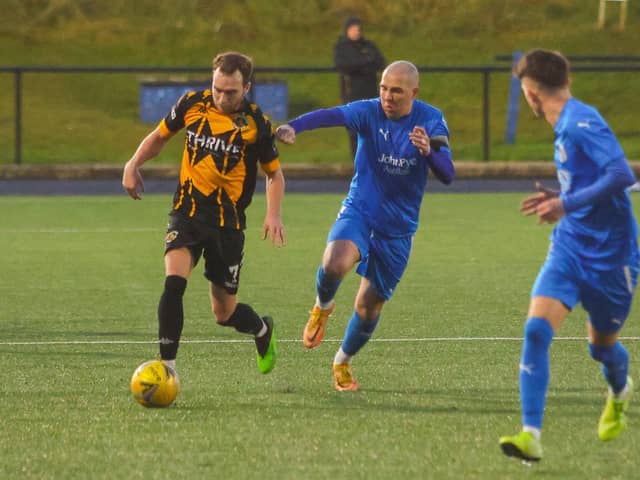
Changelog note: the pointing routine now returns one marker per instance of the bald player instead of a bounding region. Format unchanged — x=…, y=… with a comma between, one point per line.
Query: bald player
x=400, y=139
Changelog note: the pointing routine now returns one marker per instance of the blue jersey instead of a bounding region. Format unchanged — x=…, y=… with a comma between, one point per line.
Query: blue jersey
x=602, y=234
x=390, y=174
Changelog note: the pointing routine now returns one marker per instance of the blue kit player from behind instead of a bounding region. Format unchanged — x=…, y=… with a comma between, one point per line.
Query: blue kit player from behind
x=593, y=257
x=400, y=139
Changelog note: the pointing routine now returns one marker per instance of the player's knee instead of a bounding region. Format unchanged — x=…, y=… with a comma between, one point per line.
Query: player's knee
x=538, y=331
x=368, y=313
x=339, y=260
x=335, y=269
x=369, y=307
x=222, y=313
x=220, y=317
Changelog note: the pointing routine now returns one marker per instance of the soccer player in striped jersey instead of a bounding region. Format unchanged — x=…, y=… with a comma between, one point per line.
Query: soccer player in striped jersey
x=400, y=139
x=593, y=258
x=226, y=138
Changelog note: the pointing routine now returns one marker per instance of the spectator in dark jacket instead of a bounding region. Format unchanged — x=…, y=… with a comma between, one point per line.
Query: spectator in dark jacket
x=358, y=60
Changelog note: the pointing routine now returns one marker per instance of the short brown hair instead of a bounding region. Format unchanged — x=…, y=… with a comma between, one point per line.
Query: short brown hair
x=229, y=62
x=549, y=68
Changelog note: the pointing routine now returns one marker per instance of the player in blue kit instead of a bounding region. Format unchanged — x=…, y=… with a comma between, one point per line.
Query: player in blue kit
x=593, y=258
x=400, y=139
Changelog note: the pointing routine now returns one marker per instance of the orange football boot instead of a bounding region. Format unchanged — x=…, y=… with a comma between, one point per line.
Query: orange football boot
x=343, y=378
x=314, y=329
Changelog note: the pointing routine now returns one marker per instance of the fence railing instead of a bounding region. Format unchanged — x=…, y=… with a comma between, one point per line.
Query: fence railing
x=586, y=58
x=484, y=71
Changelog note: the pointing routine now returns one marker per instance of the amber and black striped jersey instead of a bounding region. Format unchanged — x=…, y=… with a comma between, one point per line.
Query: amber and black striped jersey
x=220, y=158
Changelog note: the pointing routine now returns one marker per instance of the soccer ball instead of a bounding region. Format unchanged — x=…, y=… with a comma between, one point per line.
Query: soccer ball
x=153, y=384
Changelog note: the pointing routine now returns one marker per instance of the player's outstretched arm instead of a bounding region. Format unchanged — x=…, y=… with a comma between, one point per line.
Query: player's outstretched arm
x=325, y=117
x=149, y=147
x=273, y=226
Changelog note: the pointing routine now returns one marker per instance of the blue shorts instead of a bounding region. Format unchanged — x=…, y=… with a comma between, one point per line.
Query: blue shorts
x=605, y=295
x=383, y=260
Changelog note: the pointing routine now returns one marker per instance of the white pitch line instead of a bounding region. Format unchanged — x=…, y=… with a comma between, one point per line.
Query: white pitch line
x=80, y=230
x=333, y=340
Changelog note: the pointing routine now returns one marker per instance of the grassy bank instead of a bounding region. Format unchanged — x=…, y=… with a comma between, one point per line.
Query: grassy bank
x=95, y=117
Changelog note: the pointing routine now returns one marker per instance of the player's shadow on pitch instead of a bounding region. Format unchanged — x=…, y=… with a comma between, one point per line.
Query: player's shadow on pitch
x=423, y=400
x=574, y=402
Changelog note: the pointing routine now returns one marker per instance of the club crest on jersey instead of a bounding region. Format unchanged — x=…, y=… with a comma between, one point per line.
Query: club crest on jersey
x=241, y=121
x=171, y=236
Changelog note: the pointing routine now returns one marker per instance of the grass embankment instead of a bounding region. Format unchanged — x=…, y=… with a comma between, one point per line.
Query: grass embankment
x=95, y=117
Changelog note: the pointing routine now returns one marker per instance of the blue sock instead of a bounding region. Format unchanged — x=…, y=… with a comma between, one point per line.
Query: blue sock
x=358, y=333
x=326, y=286
x=615, y=364
x=534, y=370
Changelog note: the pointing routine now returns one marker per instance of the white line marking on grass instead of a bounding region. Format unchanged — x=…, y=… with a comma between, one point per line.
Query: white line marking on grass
x=332, y=340
x=79, y=230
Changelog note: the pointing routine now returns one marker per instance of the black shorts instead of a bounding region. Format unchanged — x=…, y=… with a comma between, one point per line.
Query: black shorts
x=223, y=249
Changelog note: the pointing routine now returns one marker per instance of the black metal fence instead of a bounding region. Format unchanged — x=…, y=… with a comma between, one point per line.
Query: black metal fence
x=483, y=71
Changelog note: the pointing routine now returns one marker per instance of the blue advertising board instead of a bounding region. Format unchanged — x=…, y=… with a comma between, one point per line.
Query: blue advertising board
x=157, y=98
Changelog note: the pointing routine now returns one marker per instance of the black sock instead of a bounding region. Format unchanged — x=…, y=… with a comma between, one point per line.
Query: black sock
x=171, y=316
x=245, y=320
